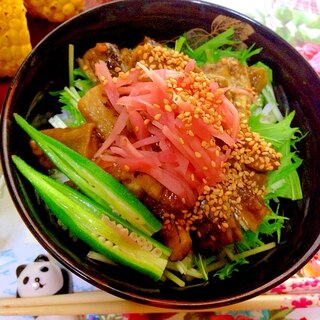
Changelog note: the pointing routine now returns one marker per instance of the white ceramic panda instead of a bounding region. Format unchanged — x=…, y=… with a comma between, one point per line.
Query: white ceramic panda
x=43, y=278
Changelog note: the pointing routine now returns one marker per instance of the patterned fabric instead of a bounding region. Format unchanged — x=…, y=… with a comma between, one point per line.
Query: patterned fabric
x=303, y=5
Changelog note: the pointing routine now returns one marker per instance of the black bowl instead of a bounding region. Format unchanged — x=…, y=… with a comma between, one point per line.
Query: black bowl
x=126, y=23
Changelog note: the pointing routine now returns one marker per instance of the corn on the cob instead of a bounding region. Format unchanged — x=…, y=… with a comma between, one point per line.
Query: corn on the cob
x=14, y=36
x=54, y=10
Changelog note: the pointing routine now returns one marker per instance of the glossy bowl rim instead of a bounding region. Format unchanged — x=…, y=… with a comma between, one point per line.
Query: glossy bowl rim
x=15, y=194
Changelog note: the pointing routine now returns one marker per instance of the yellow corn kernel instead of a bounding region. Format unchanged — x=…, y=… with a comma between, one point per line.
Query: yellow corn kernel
x=54, y=10
x=14, y=36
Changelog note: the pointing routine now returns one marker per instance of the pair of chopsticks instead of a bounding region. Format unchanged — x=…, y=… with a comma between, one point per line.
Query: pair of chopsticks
x=100, y=302
x=298, y=285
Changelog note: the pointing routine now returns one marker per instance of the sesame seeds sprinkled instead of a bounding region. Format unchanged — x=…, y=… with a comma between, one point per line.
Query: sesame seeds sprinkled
x=246, y=160
x=194, y=104
x=156, y=56
x=223, y=202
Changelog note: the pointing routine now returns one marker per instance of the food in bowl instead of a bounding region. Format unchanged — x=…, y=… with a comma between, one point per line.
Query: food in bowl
x=194, y=133
x=46, y=70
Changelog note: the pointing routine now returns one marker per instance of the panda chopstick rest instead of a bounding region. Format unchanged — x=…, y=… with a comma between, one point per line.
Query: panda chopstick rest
x=43, y=278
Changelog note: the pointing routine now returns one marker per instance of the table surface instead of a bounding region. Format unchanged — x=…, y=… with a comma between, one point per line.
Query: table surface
x=17, y=245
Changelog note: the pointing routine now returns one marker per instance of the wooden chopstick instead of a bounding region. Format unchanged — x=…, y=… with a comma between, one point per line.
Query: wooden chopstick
x=70, y=298
x=99, y=302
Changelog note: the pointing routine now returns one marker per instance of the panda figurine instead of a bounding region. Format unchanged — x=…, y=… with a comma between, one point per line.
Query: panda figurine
x=43, y=278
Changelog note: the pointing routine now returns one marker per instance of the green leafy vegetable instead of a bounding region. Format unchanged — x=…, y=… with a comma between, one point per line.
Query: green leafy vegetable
x=81, y=82
x=271, y=224
x=285, y=181
x=69, y=97
x=216, y=48
x=200, y=263
x=228, y=269
x=239, y=258
x=275, y=133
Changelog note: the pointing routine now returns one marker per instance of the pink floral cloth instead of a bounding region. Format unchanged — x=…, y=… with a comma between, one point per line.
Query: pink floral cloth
x=311, y=52
x=302, y=290
x=303, y=5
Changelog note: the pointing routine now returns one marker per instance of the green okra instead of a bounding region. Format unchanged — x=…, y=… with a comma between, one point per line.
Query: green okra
x=93, y=180
x=103, y=230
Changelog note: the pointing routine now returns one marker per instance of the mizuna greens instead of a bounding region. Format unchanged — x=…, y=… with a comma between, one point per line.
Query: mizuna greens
x=217, y=47
x=69, y=97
